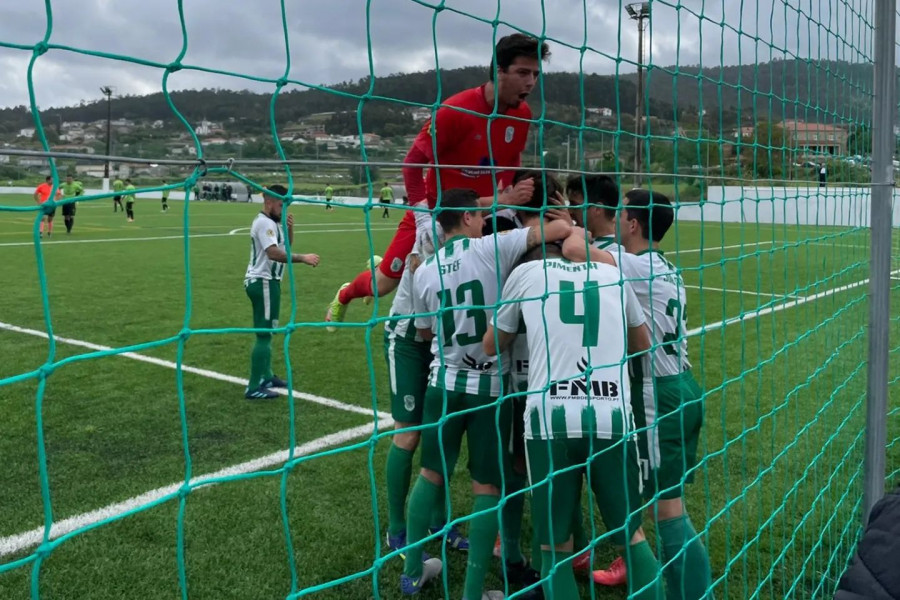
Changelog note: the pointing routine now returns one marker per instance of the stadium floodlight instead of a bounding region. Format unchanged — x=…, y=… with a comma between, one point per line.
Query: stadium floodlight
x=108, y=92
x=638, y=11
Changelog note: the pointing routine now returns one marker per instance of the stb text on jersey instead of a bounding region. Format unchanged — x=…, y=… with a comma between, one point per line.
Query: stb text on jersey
x=448, y=268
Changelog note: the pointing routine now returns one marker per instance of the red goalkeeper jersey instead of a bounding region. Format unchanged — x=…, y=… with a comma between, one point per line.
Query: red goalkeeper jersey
x=474, y=140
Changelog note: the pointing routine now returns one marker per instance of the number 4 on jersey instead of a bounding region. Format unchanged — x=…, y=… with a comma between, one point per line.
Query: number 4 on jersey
x=590, y=318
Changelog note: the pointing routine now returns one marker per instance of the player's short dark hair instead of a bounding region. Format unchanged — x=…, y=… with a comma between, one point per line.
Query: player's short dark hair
x=653, y=211
x=546, y=186
x=277, y=188
x=48, y=178
x=456, y=199
x=511, y=47
x=597, y=189
x=542, y=251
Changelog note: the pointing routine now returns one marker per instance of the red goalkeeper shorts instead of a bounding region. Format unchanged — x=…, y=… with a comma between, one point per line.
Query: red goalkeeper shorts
x=394, y=259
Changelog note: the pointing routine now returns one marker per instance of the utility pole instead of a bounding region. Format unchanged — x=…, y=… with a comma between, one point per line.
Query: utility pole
x=638, y=11
x=107, y=91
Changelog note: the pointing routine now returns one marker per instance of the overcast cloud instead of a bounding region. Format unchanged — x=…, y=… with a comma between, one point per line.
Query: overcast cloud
x=328, y=39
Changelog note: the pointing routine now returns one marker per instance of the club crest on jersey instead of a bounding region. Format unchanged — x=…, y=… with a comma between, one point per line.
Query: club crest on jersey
x=270, y=233
x=409, y=402
x=508, y=136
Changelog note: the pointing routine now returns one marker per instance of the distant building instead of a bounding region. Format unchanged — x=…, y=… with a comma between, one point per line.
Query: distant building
x=820, y=138
x=600, y=111
x=26, y=132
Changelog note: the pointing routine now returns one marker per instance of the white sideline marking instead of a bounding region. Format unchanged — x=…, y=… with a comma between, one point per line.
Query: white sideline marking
x=202, y=372
x=181, y=237
x=730, y=291
x=14, y=543
x=713, y=248
x=773, y=309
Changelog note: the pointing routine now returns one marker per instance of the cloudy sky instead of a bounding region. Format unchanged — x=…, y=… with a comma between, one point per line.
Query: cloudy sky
x=327, y=39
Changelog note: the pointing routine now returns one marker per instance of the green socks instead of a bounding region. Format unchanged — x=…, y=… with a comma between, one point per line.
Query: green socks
x=421, y=505
x=511, y=523
x=398, y=472
x=676, y=534
x=643, y=568
x=579, y=534
x=561, y=585
x=482, y=535
x=260, y=360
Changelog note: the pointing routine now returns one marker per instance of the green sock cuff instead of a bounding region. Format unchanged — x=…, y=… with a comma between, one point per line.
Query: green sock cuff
x=395, y=449
x=484, y=502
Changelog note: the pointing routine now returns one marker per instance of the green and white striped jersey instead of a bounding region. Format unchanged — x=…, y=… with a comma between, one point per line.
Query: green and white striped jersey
x=400, y=324
x=462, y=279
x=658, y=285
x=577, y=340
x=264, y=233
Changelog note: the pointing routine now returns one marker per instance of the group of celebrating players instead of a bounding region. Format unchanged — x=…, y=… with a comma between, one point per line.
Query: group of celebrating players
x=550, y=335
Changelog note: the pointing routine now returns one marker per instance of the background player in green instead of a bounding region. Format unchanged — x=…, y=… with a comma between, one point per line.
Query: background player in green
x=262, y=282
x=329, y=194
x=118, y=186
x=129, y=201
x=464, y=272
x=165, y=198
x=580, y=324
x=387, y=198
x=70, y=189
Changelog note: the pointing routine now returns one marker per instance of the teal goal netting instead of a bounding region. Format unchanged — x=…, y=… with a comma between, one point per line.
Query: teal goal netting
x=135, y=466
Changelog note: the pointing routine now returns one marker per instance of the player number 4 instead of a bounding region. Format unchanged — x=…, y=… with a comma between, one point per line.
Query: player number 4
x=589, y=319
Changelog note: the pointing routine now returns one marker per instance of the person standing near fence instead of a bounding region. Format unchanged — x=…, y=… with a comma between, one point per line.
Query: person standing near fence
x=129, y=201
x=118, y=186
x=165, y=198
x=387, y=198
x=70, y=189
x=41, y=195
x=329, y=194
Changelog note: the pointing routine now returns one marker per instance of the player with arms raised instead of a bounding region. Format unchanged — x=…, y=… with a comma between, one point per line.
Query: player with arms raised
x=459, y=138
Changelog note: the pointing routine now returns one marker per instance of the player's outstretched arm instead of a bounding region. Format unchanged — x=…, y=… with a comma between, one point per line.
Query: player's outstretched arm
x=278, y=254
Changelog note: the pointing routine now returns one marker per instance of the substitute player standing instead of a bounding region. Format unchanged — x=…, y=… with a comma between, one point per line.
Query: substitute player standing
x=70, y=189
x=580, y=324
x=118, y=187
x=262, y=282
x=165, y=198
x=387, y=198
x=467, y=138
x=41, y=195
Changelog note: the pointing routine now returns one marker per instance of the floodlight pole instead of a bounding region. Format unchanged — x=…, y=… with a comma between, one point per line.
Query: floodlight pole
x=107, y=91
x=638, y=11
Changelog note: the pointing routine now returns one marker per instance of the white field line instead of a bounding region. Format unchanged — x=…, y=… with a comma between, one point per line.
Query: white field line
x=179, y=237
x=201, y=372
x=713, y=248
x=773, y=309
x=732, y=291
x=15, y=543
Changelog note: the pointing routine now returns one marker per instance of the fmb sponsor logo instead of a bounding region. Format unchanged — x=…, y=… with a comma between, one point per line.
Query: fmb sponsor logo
x=585, y=386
